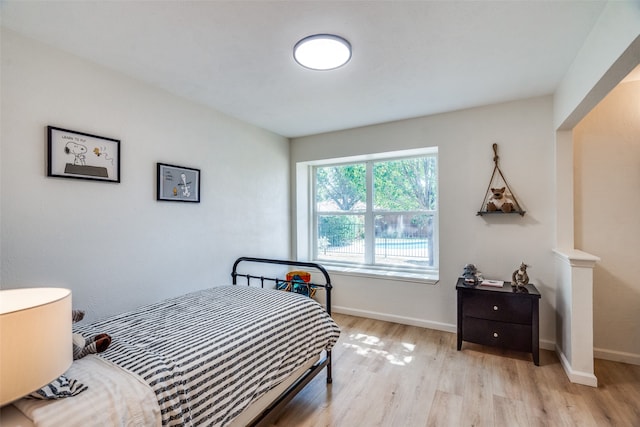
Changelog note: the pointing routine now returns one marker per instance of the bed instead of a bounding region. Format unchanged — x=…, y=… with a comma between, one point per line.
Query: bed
x=224, y=356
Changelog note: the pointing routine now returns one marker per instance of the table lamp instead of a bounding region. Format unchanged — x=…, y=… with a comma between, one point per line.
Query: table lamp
x=35, y=339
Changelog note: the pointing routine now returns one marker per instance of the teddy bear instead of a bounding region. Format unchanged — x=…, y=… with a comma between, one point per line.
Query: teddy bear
x=83, y=346
x=499, y=201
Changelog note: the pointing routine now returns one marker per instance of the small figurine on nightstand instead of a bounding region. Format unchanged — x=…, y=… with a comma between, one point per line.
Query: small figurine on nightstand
x=520, y=278
x=471, y=275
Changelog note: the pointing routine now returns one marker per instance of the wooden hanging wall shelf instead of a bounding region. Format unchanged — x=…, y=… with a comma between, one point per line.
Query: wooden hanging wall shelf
x=499, y=199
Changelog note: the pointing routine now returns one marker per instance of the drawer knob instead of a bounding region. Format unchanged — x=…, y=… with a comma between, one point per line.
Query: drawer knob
x=495, y=335
x=495, y=308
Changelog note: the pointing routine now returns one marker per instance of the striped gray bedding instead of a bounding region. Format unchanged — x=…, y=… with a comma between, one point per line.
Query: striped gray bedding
x=208, y=354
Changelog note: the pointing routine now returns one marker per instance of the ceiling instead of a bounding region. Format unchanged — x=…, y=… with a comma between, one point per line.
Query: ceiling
x=410, y=58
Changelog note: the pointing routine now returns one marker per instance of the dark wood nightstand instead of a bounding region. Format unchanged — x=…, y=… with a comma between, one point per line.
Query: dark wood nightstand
x=499, y=317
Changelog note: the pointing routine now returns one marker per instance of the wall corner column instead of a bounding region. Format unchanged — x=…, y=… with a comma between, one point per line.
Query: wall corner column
x=574, y=322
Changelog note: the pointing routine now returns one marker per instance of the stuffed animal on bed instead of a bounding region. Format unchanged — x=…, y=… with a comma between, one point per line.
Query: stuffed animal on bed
x=297, y=282
x=83, y=346
x=63, y=387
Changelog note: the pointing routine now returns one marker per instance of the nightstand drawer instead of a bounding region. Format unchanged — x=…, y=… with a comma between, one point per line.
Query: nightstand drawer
x=494, y=306
x=506, y=335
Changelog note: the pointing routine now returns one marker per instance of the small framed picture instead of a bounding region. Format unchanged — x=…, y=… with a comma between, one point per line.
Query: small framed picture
x=178, y=184
x=81, y=155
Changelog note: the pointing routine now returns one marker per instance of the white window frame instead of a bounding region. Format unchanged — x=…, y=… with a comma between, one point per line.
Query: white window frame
x=306, y=227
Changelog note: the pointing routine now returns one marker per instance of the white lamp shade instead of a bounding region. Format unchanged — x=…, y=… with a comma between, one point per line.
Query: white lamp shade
x=35, y=339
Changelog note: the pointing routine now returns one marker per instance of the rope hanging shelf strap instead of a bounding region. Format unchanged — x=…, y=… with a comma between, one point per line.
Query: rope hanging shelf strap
x=496, y=168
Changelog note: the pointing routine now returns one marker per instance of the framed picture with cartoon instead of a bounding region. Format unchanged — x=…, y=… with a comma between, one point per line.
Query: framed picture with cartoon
x=80, y=155
x=178, y=183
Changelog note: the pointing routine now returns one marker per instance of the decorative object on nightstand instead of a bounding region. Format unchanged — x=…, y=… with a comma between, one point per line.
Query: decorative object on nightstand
x=520, y=278
x=500, y=317
x=471, y=275
x=36, y=345
x=499, y=198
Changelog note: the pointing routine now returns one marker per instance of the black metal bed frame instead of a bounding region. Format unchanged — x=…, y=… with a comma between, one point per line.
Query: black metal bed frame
x=276, y=406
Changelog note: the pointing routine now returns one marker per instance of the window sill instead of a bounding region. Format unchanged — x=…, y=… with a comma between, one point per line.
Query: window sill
x=403, y=276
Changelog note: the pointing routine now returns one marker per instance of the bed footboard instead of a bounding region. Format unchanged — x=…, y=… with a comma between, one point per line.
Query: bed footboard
x=283, y=399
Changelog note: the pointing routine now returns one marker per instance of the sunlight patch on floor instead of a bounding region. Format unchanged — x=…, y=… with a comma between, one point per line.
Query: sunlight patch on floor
x=371, y=346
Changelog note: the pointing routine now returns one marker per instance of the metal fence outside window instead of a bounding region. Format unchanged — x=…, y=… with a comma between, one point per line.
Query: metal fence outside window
x=345, y=237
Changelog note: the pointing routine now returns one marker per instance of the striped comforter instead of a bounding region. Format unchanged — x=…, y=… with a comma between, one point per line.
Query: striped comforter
x=207, y=355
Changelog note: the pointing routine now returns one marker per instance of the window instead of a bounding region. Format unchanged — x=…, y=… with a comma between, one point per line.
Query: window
x=377, y=214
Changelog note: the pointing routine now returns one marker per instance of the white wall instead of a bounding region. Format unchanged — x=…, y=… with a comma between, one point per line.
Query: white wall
x=496, y=244
x=607, y=206
x=114, y=245
x=608, y=54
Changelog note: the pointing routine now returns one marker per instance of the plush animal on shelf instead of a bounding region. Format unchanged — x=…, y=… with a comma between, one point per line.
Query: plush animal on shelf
x=499, y=201
x=83, y=346
x=520, y=278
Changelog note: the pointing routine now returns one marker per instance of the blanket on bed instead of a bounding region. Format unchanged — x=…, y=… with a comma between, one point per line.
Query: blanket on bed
x=207, y=355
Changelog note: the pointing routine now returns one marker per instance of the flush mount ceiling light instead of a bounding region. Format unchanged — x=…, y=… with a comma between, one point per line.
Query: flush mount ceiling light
x=322, y=52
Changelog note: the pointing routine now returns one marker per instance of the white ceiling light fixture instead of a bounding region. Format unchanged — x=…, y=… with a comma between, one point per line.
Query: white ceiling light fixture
x=322, y=52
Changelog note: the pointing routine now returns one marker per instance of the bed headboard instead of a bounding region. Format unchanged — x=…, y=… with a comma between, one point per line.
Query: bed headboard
x=326, y=285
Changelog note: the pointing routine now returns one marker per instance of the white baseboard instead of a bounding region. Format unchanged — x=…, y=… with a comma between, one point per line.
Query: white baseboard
x=616, y=356
x=581, y=377
x=548, y=345
x=577, y=377
x=412, y=321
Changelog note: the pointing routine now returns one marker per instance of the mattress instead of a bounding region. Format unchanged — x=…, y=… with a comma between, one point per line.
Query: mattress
x=207, y=356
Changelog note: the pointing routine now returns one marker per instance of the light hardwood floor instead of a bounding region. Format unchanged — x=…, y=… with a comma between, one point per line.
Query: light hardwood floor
x=386, y=374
